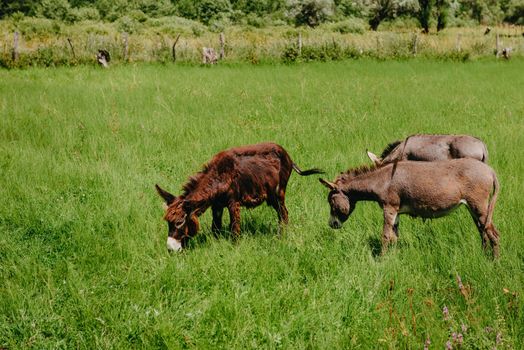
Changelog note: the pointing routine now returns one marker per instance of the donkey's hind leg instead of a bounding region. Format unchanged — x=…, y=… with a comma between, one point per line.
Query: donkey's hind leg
x=234, y=218
x=487, y=230
x=278, y=202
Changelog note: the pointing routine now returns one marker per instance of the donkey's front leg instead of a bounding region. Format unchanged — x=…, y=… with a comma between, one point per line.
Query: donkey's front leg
x=389, y=230
x=234, y=218
x=216, y=226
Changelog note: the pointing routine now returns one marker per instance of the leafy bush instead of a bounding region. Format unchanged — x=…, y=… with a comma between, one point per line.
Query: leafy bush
x=515, y=12
x=310, y=12
x=155, y=8
x=127, y=24
x=325, y=52
x=84, y=14
x=352, y=25
x=213, y=9
x=138, y=16
x=54, y=9
x=197, y=30
x=35, y=27
x=354, y=8
x=290, y=54
x=256, y=21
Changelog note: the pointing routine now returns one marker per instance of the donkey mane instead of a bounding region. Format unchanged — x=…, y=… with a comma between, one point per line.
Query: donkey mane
x=193, y=181
x=389, y=148
x=363, y=169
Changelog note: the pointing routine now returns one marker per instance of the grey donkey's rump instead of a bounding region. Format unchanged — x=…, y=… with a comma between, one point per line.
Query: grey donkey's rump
x=426, y=147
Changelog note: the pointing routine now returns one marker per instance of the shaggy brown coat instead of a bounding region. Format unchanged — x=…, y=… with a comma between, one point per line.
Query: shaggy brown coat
x=243, y=176
x=420, y=189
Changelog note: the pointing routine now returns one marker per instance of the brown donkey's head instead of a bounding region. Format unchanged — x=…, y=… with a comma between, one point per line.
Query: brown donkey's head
x=341, y=206
x=181, y=220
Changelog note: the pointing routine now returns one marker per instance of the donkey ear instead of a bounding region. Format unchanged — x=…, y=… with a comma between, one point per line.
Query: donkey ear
x=328, y=184
x=374, y=158
x=168, y=197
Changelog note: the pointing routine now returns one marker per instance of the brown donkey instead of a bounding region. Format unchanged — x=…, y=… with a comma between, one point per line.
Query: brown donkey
x=432, y=147
x=243, y=176
x=420, y=189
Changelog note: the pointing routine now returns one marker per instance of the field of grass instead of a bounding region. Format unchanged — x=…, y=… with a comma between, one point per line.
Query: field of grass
x=83, y=260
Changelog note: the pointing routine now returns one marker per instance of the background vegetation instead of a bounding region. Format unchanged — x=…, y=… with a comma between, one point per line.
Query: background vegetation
x=83, y=261
x=52, y=33
x=260, y=12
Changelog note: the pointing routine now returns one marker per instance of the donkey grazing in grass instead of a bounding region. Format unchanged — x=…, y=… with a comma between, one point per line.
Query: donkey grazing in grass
x=420, y=189
x=431, y=148
x=242, y=176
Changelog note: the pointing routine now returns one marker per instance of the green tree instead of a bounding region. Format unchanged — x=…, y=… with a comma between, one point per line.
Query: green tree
x=353, y=8
x=310, y=12
x=424, y=14
x=54, y=9
x=515, y=12
x=381, y=10
x=442, y=10
x=482, y=11
x=27, y=7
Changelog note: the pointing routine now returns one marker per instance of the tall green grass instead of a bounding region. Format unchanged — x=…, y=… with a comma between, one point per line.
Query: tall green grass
x=83, y=261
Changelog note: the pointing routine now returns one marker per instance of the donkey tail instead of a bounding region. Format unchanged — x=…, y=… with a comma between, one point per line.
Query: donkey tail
x=485, y=155
x=306, y=172
x=491, y=205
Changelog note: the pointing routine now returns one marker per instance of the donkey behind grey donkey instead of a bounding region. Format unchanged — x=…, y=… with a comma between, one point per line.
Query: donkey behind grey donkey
x=432, y=147
x=420, y=189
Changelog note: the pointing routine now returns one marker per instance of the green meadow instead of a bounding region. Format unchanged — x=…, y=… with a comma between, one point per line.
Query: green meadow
x=83, y=258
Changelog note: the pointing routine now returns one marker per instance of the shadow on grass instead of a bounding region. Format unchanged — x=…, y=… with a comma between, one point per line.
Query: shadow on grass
x=248, y=228
x=375, y=244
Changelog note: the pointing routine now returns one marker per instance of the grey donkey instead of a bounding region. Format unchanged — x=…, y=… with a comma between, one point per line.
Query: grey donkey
x=419, y=189
x=426, y=147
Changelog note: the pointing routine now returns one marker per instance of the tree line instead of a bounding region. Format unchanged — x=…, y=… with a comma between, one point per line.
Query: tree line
x=428, y=13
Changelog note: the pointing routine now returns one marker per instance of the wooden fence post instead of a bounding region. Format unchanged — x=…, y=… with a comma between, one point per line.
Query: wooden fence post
x=173, y=49
x=497, y=45
x=415, y=42
x=221, y=55
x=15, y=47
x=72, y=48
x=299, y=43
x=459, y=39
x=126, y=47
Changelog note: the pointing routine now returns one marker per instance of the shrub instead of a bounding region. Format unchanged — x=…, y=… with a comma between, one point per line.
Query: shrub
x=256, y=21
x=127, y=24
x=33, y=27
x=310, y=12
x=197, y=30
x=55, y=9
x=515, y=13
x=290, y=54
x=84, y=14
x=138, y=16
x=213, y=9
x=352, y=25
x=354, y=8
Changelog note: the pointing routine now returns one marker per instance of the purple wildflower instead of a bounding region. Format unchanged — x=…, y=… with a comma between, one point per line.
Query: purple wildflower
x=499, y=338
x=445, y=312
x=460, y=339
x=464, y=328
x=448, y=345
x=426, y=344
